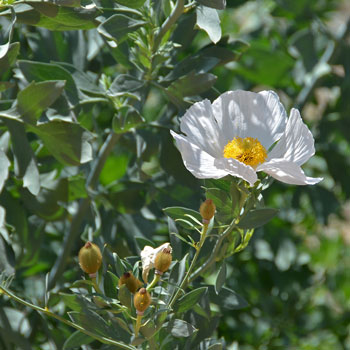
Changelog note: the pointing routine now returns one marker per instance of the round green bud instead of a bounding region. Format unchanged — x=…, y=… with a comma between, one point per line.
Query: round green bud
x=90, y=258
x=142, y=300
x=207, y=210
x=163, y=260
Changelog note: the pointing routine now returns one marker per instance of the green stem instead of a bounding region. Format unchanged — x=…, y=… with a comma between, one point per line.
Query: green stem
x=103, y=154
x=75, y=227
x=177, y=12
x=156, y=279
x=97, y=288
x=138, y=325
x=216, y=250
x=185, y=280
x=67, y=322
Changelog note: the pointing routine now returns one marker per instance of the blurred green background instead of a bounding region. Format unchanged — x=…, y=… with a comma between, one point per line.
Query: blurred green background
x=295, y=273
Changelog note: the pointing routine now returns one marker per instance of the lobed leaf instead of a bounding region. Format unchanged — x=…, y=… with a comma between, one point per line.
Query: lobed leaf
x=68, y=142
x=39, y=71
x=55, y=17
x=118, y=26
x=37, y=97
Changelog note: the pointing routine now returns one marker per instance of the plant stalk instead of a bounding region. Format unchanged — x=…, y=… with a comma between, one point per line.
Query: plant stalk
x=75, y=228
x=194, y=260
x=156, y=278
x=216, y=250
x=138, y=325
x=177, y=12
x=47, y=312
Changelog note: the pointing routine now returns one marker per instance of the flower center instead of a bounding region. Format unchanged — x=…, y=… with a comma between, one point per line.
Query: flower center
x=246, y=150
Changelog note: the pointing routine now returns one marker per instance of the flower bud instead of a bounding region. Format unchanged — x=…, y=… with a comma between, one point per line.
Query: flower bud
x=163, y=261
x=207, y=210
x=142, y=300
x=90, y=258
x=131, y=282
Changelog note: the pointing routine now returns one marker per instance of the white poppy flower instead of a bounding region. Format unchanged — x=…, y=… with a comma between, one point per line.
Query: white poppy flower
x=243, y=132
x=148, y=257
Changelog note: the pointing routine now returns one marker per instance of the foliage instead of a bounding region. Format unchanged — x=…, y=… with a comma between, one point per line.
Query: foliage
x=89, y=92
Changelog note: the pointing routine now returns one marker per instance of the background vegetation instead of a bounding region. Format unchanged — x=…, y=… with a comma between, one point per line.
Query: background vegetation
x=92, y=156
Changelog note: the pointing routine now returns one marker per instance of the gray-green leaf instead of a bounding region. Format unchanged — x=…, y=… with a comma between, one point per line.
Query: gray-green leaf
x=188, y=300
x=257, y=217
x=68, y=142
x=76, y=340
x=36, y=97
x=209, y=21
x=4, y=168
x=118, y=26
x=221, y=278
x=180, y=328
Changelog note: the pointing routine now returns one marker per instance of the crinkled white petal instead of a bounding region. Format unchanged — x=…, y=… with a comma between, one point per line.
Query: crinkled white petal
x=297, y=143
x=288, y=172
x=148, y=256
x=249, y=114
x=236, y=168
x=201, y=128
x=209, y=127
x=199, y=163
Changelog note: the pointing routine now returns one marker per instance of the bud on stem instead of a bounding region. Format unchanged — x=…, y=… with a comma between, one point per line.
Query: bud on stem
x=162, y=261
x=131, y=282
x=142, y=300
x=207, y=211
x=90, y=258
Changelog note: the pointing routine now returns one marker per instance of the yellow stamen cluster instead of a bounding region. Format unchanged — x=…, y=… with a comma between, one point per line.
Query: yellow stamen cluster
x=246, y=150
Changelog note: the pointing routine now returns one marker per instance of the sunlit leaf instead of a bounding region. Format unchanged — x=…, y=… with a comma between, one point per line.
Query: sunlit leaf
x=208, y=20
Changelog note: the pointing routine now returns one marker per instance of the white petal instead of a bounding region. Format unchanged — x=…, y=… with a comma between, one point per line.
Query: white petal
x=201, y=128
x=249, y=114
x=288, y=172
x=146, y=259
x=148, y=256
x=236, y=168
x=297, y=143
x=198, y=162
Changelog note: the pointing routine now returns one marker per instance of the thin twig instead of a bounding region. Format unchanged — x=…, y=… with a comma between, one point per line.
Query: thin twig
x=177, y=12
x=212, y=257
x=186, y=278
x=75, y=227
x=69, y=323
